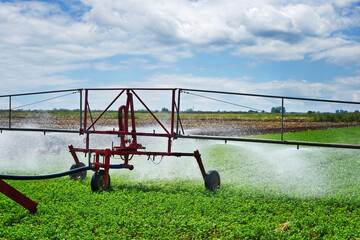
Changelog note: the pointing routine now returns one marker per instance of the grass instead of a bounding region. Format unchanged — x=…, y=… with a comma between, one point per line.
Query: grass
x=314, y=192
x=177, y=209
x=350, y=135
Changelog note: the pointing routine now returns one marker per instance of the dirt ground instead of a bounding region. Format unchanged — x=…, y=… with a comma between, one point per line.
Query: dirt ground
x=214, y=127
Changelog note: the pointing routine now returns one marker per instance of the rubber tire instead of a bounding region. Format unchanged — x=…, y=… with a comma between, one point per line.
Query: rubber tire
x=212, y=180
x=97, y=181
x=79, y=175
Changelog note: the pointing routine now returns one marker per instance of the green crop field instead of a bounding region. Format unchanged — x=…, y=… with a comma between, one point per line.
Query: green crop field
x=267, y=192
x=238, y=116
x=350, y=135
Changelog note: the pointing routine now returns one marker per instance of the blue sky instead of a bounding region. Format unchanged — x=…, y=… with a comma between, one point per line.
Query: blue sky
x=293, y=48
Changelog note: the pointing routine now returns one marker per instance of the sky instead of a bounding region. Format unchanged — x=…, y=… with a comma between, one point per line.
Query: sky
x=297, y=48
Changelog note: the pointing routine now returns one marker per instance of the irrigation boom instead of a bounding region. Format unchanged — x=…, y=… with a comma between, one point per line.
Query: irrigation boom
x=127, y=133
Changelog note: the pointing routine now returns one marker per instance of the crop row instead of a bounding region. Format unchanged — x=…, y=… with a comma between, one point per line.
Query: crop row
x=268, y=192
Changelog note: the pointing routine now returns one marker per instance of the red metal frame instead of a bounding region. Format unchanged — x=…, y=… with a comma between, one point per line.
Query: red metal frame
x=128, y=147
x=18, y=197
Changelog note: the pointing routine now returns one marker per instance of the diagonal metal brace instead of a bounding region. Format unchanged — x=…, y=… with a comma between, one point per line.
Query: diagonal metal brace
x=18, y=197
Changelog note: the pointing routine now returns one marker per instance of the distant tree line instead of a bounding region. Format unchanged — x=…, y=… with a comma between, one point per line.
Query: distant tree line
x=278, y=110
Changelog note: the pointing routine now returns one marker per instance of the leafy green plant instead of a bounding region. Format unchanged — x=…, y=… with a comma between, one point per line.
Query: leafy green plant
x=348, y=135
x=315, y=191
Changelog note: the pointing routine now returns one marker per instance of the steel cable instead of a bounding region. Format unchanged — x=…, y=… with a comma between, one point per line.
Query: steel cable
x=223, y=101
x=44, y=100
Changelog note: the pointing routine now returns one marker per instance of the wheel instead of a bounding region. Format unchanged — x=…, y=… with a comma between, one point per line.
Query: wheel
x=212, y=180
x=79, y=175
x=98, y=181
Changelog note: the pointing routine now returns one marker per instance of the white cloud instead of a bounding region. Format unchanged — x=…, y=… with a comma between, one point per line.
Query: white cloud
x=345, y=89
x=347, y=54
x=341, y=88
x=40, y=40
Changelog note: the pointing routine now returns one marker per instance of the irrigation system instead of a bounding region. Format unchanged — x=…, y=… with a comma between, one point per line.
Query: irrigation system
x=128, y=143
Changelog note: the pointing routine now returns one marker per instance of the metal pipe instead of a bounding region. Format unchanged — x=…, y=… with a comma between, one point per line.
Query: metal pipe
x=172, y=119
x=133, y=152
x=270, y=96
x=9, y=111
x=126, y=132
x=35, y=93
x=200, y=163
x=135, y=89
x=282, y=119
x=178, y=113
x=172, y=112
x=40, y=130
x=255, y=140
x=126, y=112
x=180, y=124
x=18, y=197
x=187, y=89
x=81, y=100
x=86, y=108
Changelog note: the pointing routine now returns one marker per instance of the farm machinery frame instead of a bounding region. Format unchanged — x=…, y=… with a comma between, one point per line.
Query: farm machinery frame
x=99, y=159
x=129, y=145
x=127, y=148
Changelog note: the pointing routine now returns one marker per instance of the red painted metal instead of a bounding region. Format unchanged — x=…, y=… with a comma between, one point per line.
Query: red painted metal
x=18, y=197
x=151, y=113
x=76, y=159
x=107, y=166
x=91, y=117
x=114, y=132
x=173, y=104
x=129, y=146
x=199, y=161
x=107, y=108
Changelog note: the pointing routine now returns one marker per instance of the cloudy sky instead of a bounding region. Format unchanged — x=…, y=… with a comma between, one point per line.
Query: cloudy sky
x=296, y=48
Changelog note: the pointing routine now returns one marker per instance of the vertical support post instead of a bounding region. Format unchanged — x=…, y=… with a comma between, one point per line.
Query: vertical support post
x=97, y=157
x=126, y=112
x=282, y=119
x=85, y=119
x=132, y=116
x=172, y=113
x=169, y=145
x=178, y=113
x=18, y=197
x=81, y=100
x=85, y=109
x=107, y=166
x=172, y=120
x=9, y=111
x=87, y=141
x=121, y=125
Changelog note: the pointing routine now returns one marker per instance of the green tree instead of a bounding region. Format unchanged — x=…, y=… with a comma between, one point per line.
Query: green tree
x=277, y=109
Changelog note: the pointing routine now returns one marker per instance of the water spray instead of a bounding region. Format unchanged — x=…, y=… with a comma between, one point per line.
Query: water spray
x=128, y=137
